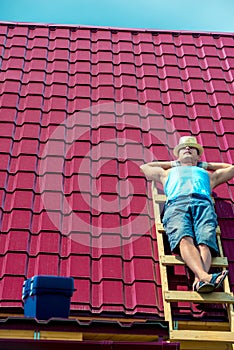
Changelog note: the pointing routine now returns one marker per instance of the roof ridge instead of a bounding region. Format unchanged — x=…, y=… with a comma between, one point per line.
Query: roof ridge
x=124, y=29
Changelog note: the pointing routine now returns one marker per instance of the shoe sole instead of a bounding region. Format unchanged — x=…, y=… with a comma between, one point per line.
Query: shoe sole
x=206, y=288
x=218, y=285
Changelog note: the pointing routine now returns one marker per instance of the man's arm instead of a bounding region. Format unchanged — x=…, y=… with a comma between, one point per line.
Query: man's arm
x=155, y=172
x=223, y=172
x=161, y=164
x=216, y=166
x=164, y=164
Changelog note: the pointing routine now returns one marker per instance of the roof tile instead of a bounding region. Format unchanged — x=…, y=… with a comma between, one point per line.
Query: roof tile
x=43, y=264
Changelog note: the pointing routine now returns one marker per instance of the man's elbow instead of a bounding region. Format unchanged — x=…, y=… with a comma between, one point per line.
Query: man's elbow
x=229, y=174
x=232, y=171
x=145, y=169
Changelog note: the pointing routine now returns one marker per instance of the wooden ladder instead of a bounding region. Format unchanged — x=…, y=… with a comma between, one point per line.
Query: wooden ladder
x=194, y=335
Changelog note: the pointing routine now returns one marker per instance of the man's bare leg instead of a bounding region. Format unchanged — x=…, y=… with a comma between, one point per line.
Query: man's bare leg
x=206, y=258
x=197, y=259
x=192, y=258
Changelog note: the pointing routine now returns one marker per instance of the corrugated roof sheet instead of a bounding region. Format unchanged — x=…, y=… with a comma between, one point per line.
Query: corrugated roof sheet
x=81, y=109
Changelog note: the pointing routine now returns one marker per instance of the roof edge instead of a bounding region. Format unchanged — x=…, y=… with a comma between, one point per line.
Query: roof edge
x=140, y=30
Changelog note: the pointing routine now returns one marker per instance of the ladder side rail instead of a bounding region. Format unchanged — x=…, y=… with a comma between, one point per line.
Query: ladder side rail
x=161, y=252
x=226, y=287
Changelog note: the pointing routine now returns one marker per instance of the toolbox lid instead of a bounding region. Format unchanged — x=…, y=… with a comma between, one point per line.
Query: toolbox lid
x=48, y=285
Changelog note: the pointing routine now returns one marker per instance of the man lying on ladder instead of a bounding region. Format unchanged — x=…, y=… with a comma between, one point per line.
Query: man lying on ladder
x=189, y=218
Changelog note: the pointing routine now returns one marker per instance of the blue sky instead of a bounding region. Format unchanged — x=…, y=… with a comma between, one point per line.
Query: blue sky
x=196, y=15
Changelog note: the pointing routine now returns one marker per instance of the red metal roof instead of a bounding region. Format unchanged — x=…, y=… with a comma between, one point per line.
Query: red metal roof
x=81, y=109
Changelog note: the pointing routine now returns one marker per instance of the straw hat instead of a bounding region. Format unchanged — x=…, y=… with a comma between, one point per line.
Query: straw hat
x=188, y=141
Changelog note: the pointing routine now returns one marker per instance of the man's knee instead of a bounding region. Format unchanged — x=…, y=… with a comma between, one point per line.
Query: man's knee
x=186, y=240
x=186, y=243
x=203, y=246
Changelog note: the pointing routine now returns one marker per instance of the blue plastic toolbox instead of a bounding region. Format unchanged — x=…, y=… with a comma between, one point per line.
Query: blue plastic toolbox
x=47, y=296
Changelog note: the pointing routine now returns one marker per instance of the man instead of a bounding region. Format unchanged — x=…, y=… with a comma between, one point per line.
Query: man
x=189, y=218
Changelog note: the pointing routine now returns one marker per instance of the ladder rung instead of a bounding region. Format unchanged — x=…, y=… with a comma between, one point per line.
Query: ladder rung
x=180, y=335
x=160, y=198
x=171, y=260
x=203, y=325
x=184, y=296
x=160, y=227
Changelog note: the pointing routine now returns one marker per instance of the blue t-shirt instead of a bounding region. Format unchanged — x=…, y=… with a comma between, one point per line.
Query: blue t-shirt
x=187, y=180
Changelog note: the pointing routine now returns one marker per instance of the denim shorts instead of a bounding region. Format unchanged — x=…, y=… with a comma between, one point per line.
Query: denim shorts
x=193, y=217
